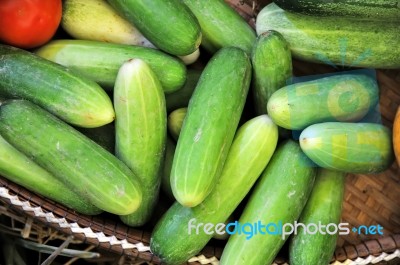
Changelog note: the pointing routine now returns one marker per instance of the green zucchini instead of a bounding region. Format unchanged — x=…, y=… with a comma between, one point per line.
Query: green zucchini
x=323, y=208
x=175, y=121
x=174, y=238
x=169, y=25
x=202, y=147
x=18, y=168
x=78, y=162
x=167, y=166
x=385, y=10
x=272, y=67
x=140, y=131
x=68, y=95
x=101, y=61
x=342, y=97
x=277, y=200
x=335, y=41
x=350, y=147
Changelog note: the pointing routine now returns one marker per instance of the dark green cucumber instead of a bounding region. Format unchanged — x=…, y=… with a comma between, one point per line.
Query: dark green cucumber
x=169, y=25
x=104, y=136
x=100, y=61
x=175, y=121
x=350, y=147
x=279, y=198
x=78, y=162
x=211, y=121
x=342, y=97
x=221, y=25
x=272, y=67
x=174, y=239
x=18, y=168
x=323, y=207
x=385, y=10
x=167, y=166
x=334, y=41
x=140, y=131
x=68, y=95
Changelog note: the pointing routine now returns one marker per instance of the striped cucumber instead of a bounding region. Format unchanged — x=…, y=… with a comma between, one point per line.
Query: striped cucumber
x=100, y=61
x=67, y=95
x=140, y=131
x=202, y=147
x=78, y=162
x=175, y=121
x=174, y=238
x=323, y=207
x=278, y=199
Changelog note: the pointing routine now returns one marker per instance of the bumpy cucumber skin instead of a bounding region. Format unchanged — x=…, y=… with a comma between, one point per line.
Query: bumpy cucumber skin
x=349, y=147
x=324, y=206
x=221, y=26
x=280, y=195
x=330, y=40
x=343, y=97
x=100, y=61
x=211, y=121
x=251, y=150
x=272, y=67
x=78, y=162
x=169, y=25
x=167, y=166
x=18, y=168
x=175, y=121
x=140, y=131
x=385, y=10
x=66, y=94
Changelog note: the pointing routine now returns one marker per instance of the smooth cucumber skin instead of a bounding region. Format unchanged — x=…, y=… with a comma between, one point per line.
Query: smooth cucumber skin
x=100, y=61
x=169, y=25
x=334, y=41
x=211, y=121
x=385, y=10
x=175, y=121
x=349, y=147
x=221, y=25
x=251, y=150
x=272, y=67
x=18, y=168
x=78, y=162
x=324, y=206
x=140, y=131
x=66, y=94
x=279, y=196
x=343, y=97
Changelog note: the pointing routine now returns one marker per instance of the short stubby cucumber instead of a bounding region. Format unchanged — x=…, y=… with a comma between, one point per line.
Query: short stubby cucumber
x=175, y=121
x=323, y=209
x=100, y=61
x=210, y=124
x=278, y=199
x=175, y=238
x=78, y=162
x=349, y=147
x=140, y=131
x=66, y=94
x=341, y=97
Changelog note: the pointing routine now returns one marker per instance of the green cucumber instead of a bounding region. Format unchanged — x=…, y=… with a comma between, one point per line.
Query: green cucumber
x=175, y=121
x=350, y=147
x=334, y=41
x=167, y=166
x=221, y=25
x=100, y=61
x=18, y=168
x=342, y=97
x=385, y=10
x=323, y=207
x=140, y=131
x=104, y=136
x=251, y=150
x=202, y=147
x=278, y=199
x=78, y=162
x=272, y=67
x=169, y=25
x=68, y=95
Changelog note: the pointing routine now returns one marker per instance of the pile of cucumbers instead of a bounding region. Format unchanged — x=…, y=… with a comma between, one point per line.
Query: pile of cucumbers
x=113, y=116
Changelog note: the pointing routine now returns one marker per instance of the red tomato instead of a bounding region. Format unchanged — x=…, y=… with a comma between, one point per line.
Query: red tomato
x=29, y=23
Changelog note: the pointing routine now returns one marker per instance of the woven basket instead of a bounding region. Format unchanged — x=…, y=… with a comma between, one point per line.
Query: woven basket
x=369, y=200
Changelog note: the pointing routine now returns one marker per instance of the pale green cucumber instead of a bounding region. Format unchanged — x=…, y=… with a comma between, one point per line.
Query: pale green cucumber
x=175, y=121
